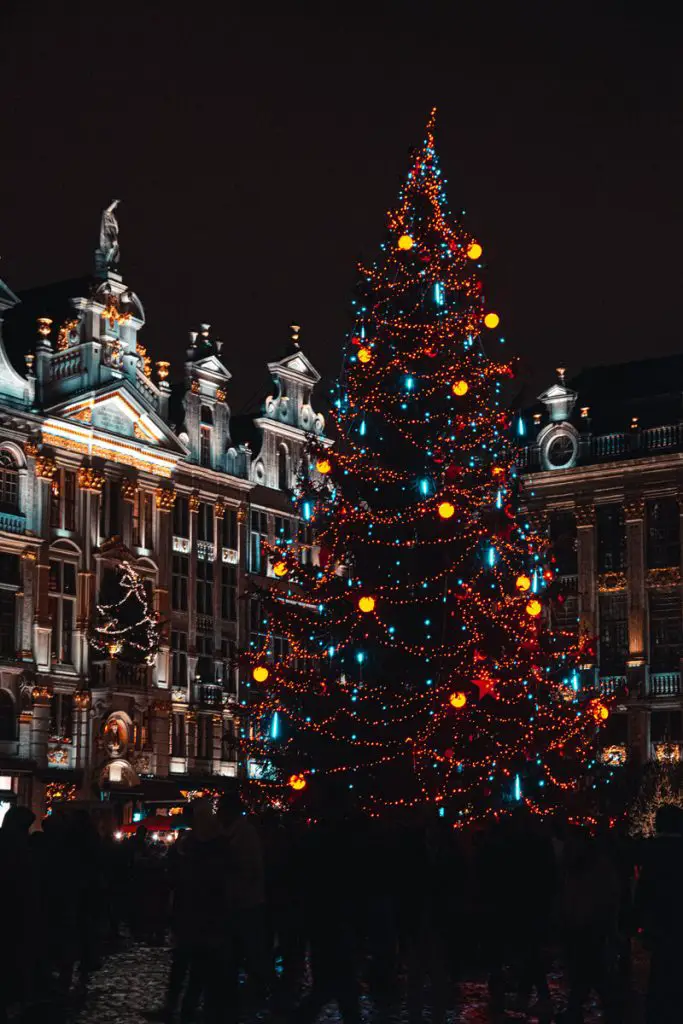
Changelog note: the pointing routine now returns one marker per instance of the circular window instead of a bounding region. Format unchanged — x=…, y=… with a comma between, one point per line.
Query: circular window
x=561, y=451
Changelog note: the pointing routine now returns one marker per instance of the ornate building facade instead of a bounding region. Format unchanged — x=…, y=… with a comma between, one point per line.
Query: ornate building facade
x=602, y=469
x=103, y=461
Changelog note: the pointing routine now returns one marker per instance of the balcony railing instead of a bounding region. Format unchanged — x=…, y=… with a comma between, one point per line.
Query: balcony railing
x=609, y=685
x=665, y=684
x=12, y=522
x=113, y=674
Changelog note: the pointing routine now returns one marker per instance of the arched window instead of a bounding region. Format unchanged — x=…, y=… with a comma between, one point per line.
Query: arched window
x=9, y=483
x=283, y=468
x=7, y=716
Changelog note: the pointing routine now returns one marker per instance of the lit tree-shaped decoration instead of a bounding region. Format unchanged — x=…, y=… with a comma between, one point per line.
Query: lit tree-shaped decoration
x=127, y=629
x=418, y=664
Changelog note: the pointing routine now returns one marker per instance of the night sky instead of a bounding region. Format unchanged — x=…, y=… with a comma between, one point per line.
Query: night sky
x=256, y=153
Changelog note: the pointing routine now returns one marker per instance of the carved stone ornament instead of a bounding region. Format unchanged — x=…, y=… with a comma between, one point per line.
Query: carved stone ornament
x=242, y=514
x=195, y=387
x=178, y=695
x=41, y=694
x=585, y=515
x=32, y=446
x=129, y=489
x=611, y=581
x=634, y=509
x=667, y=577
x=194, y=502
x=220, y=395
x=46, y=467
x=90, y=479
x=82, y=699
x=165, y=499
x=219, y=510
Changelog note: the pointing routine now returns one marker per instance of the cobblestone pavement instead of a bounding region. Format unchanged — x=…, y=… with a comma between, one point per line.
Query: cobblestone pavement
x=134, y=980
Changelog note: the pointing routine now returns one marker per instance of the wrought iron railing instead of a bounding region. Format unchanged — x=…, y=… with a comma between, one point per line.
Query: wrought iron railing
x=12, y=522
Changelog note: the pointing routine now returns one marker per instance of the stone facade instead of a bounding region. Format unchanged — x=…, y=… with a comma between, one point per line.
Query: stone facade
x=103, y=460
x=602, y=471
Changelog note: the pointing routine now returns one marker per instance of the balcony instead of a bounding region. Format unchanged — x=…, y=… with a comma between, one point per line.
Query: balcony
x=665, y=684
x=608, y=686
x=117, y=675
x=211, y=694
x=11, y=522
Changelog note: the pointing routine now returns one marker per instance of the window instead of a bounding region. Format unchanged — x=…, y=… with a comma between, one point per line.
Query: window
x=283, y=529
x=229, y=741
x=258, y=534
x=142, y=519
x=229, y=592
x=63, y=500
x=258, y=624
x=663, y=533
x=179, y=582
x=207, y=415
x=280, y=648
x=7, y=716
x=283, y=468
x=205, y=446
x=229, y=664
x=665, y=726
x=611, y=538
x=9, y=584
x=181, y=517
x=204, y=587
x=613, y=633
x=61, y=716
x=563, y=542
x=62, y=586
x=9, y=483
x=110, y=510
x=305, y=544
x=229, y=532
x=205, y=522
x=205, y=664
x=205, y=737
x=665, y=630
x=178, y=743
x=178, y=658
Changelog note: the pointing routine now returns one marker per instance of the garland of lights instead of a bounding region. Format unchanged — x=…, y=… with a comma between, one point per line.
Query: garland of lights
x=134, y=639
x=416, y=661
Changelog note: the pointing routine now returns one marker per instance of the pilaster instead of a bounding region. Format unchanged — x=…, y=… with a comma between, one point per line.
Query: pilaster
x=634, y=520
x=587, y=567
x=40, y=724
x=161, y=737
x=165, y=501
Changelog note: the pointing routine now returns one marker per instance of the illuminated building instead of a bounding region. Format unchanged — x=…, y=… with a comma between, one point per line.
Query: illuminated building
x=602, y=471
x=103, y=460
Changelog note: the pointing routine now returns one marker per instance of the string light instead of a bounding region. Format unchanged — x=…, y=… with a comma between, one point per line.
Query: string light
x=132, y=640
x=448, y=618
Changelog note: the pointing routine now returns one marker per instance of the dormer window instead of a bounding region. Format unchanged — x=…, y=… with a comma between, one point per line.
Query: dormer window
x=205, y=446
x=207, y=415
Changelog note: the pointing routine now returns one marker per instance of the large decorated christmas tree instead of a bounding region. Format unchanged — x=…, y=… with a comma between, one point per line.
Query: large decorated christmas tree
x=416, y=663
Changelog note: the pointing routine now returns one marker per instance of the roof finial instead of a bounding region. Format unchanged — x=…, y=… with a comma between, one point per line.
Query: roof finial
x=561, y=370
x=295, y=329
x=109, y=251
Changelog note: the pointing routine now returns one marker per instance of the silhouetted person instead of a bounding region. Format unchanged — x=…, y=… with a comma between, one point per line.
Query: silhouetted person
x=56, y=924
x=199, y=867
x=16, y=954
x=247, y=896
x=659, y=905
x=86, y=858
x=590, y=915
x=331, y=893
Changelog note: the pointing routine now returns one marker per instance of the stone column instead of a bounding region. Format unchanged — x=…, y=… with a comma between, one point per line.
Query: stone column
x=217, y=737
x=26, y=611
x=193, y=504
x=40, y=724
x=80, y=738
x=91, y=483
x=42, y=626
x=165, y=502
x=191, y=749
x=636, y=666
x=587, y=569
x=161, y=736
x=219, y=514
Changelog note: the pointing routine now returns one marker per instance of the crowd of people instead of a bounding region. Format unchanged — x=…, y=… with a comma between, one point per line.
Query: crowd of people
x=281, y=917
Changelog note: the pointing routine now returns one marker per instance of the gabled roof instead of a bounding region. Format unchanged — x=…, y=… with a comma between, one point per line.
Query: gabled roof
x=7, y=297
x=212, y=366
x=296, y=364
x=119, y=409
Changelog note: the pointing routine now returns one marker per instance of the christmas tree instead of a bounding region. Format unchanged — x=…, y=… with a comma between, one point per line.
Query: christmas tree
x=416, y=662
x=126, y=626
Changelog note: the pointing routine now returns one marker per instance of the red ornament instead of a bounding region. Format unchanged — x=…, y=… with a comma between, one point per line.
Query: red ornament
x=486, y=686
x=431, y=352
x=449, y=753
x=452, y=472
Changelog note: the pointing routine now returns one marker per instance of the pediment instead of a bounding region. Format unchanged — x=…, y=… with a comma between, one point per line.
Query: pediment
x=213, y=365
x=555, y=391
x=296, y=363
x=119, y=411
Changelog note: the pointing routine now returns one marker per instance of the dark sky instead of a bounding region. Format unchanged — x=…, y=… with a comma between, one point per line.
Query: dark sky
x=256, y=148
